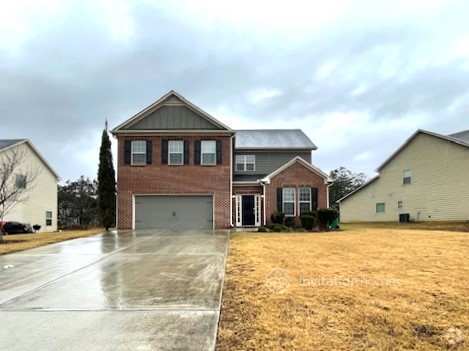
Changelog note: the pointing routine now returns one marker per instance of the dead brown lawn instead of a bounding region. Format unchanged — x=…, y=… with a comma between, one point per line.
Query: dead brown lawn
x=358, y=289
x=19, y=242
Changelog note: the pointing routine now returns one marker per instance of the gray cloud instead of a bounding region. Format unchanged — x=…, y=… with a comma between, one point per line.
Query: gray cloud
x=358, y=85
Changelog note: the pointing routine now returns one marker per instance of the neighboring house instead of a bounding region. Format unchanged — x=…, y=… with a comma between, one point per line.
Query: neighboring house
x=426, y=179
x=180, y=168
x=38, y=202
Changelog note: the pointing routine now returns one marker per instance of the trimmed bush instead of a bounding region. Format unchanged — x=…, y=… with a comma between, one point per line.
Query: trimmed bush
x=326, y=216
x=309, y=220
x=277, y=217
x=290, y=221
x=263, y=230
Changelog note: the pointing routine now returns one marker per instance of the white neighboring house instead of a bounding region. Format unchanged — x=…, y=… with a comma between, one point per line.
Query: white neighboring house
x=427, y=178
x=39, y=200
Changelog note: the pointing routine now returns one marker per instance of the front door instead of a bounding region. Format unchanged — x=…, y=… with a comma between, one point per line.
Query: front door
x=248, y=210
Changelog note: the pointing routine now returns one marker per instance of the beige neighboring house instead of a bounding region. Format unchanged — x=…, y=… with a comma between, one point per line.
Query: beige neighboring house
x=38, y=203
x=426, y=179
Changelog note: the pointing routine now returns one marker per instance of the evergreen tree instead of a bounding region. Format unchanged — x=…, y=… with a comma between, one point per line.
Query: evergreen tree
x=106, y=184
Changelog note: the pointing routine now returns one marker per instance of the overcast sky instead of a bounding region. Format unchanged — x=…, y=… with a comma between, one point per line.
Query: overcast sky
x=357, y=76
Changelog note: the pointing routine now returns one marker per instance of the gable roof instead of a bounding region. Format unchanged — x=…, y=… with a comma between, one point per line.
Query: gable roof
x=6, y=144
x=460, y=138
x=170, y=98
x=290, y=163
x=250, y=139
x=413, y=136
x=463, y=135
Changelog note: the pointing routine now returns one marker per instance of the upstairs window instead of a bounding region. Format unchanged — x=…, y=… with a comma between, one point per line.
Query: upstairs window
x=48, y=218
x=304, y=200
x=288, y=199
x=208, y=152
x=139, y=152
x=380, y=207
x=175, y=152
x=20, y=181
x=407, y=177
x=245, y=163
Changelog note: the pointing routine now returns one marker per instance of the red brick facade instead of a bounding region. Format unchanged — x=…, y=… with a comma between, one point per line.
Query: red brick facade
x=158, y=178
x=294, y=176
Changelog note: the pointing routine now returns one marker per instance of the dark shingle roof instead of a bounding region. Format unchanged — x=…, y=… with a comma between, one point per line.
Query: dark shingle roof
x=464, y=135
x=273, y=139
x=4, y=143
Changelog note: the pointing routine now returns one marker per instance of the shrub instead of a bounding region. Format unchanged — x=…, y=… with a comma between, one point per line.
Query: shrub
x=36, y=227
x=280, y=228
x=326, y=216
x=263, y=230
x=290, y=221
x=309, y=220
x=277, y=217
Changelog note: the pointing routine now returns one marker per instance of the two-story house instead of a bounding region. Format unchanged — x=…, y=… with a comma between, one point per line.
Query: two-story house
x=425, y=179
x=26, y=173
x=180, y=168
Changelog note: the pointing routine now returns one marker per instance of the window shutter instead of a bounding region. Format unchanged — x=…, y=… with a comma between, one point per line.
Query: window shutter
x=186, y=152
x=197, y=152
x=149, y=152
x=127, y=151
x=279, y=199
x=314, y=199
x=164, y=151
x=219, y=152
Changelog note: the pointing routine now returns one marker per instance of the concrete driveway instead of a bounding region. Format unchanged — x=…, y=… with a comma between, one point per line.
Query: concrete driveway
x=147, y=290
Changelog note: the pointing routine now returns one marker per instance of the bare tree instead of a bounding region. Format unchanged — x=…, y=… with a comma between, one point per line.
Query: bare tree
x=17, y=179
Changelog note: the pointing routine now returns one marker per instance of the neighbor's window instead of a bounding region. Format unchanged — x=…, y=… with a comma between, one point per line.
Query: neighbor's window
x=304, y=200
x=20, y=181
x=245, y=162
x=208, y=151
x=380, y=207
x=407, y=179
x=48, y=218
x=288, y=199
x=399, y=204
x=139, y=152
x=175, y=152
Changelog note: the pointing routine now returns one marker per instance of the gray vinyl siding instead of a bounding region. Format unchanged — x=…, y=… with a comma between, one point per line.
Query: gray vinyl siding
x=269, y=161
x=173, y=117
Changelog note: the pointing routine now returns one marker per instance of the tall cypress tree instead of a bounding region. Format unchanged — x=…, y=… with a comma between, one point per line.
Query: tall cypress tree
x=106, y=184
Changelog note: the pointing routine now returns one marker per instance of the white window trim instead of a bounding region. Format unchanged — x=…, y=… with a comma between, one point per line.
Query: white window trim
x=294, y=202
x=257, y=210
x=304, y=202
x=245, y=163
x=376, y=207
x=409, y=176
x=51, y=218
x=177, y=153
x=239, y=210
x=208, y=153
x=132, y=152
